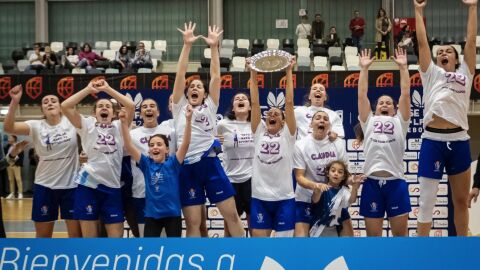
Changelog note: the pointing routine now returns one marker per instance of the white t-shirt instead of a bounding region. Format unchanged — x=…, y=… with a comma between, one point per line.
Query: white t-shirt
x=238, y=149
x=169, y=123
x=57, y=149
x=447, y=94
x=303, y=30
x=384, y=144
x=203, y=127
x=72, y=58
x=272, y=164
x=313, y=156
x=173, y=137
x=34, y=56
x=103, y=145
x=304, y=114
x=140, y=137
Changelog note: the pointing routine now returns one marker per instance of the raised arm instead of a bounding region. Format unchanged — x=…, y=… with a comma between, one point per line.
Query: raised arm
x=68, y=106
x=256, y=112
x=364, y=108
x=126, y=102
x=289, y=107
x=425, y=56
x=127, y=140
x=188, y=39
x=215, y=80
x=182, y=150
x=470, y=50
x=404, y=101
x=10, y=126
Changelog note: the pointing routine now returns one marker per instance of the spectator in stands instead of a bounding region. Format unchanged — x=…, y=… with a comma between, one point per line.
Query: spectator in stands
x=122, y=59
x=406, y=38
x=49, y=58
x=4, y=162
x=70, y=59
x=88, y=58
x=318, y=26
x=304, y=29
x=383, y=26
x=142, y=58
x=332, y=38
x=357, y=26
x=14, y=170
x=36, y=59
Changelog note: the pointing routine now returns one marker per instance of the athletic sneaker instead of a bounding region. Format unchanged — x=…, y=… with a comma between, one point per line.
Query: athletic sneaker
x=20, y=196
x=10, y=196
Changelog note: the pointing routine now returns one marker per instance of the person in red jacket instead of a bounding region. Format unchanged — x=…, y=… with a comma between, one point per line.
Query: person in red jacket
x=87, y=57
x=357, y=26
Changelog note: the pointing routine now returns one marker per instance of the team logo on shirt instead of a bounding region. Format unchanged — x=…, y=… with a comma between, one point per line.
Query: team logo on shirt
x=44, y=210
x=54, y=138
x=235, y=139
x=192, y=193
x=260, y=218
x=373, y=207
x=437, y=166
x=307, y=212
x=89, y=209
x=156, y=177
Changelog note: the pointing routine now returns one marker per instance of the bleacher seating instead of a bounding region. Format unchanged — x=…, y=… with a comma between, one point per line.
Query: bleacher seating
x=273, y=44
x=56, y=46
x=148, y=44
x=115, y=45
x=238, y=63
x=160, y=45
x=320, y=63
x=100, y=45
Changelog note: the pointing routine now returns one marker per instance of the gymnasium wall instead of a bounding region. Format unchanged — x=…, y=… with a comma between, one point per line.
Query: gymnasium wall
x=17, y=26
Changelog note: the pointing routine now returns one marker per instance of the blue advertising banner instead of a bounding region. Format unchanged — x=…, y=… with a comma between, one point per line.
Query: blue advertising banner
x=239, y=254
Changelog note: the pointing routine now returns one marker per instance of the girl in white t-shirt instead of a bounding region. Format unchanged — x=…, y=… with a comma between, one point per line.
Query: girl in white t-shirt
x=385, y=190
x=238, y=150
x=273, y=198
x=312, y=154
x=445, y=143
x=316, y=102
x=98, y=193
x=55, y=142
x=202, y=174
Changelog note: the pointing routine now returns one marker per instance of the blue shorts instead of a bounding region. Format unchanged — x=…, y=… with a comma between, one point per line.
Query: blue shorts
x=276, y=215
x=138, y=206
x=435, y=156
x=46, y=202
x=303, y=212
x=380, y=196
x=206, y=176
x=104, y=203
